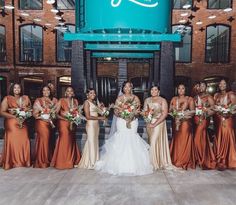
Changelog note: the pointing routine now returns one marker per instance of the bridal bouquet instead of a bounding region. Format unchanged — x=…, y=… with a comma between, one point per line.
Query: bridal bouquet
x=201, y=112
x=103, y=111
x=150, y=113
x=75, y=116
x=127, y=110
x=180, y=116
x=21, y=114
x=225, y=111
x=48, y=113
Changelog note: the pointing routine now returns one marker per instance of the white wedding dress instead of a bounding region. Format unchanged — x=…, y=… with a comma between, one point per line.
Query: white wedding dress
x=125, y=152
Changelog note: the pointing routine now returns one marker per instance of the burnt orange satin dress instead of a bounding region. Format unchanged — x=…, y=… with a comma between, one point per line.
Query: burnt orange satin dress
x=66, y=153
x=43, y=130
x=16, y=150
x=182, y=148
x=205, y=157
x=224, y=146
x=204, y=153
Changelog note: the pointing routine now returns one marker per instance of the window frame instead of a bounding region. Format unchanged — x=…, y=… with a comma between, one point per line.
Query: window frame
x=66, y=8
x=231, y=6
x=30, y=24
x=182, y=7
x=56, y=38
x=5, y=37
x=229, y=44
x=191, y=50
x=27, y=9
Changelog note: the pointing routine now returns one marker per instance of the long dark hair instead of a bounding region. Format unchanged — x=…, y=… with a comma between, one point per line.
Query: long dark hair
x=46, y=86
x=124, y=83
x=11, y=90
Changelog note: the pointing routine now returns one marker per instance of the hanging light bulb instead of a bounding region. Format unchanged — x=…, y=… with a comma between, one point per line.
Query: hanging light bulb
x=9, y=6
x=50, y=1
x=228, y=9
x=199, y=23
x=212, y=17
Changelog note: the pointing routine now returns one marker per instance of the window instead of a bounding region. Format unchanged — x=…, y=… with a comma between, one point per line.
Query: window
x=2, y=44
x=217, y=44
x=2, y=3
x=178, y=4
x=184, y=48
x=31, y=38
x=31, y=4
x=66, y=4
x=219, y=4
x=64, y=48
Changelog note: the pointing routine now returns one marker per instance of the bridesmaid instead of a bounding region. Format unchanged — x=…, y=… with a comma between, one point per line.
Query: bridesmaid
x=43, y=126
x=182, y=146
x=224, y=147
x=157, y=131
x=205, y=157
x=16, y=150
x=91, y=147
x=66, y=153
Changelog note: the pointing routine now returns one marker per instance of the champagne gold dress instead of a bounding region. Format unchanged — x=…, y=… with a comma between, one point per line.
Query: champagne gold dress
x=91, y=149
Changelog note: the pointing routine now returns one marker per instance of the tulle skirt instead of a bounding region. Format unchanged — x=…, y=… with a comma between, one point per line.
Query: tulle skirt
x=125, y=152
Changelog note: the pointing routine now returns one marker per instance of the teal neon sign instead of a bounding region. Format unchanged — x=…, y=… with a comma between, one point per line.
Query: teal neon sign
x=125, y=15
x=144, y=3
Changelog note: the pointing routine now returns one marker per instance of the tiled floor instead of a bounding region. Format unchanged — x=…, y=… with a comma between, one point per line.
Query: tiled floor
x=87, y=187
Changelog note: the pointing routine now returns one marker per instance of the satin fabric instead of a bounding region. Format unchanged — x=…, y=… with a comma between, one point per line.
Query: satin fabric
x=16, y=150
x=159, y=146
x=91, y=147
x=182, y=148
x=66, y=153
x=205, y=157
x=224, y=146
x=158, y=139
x=43, y=147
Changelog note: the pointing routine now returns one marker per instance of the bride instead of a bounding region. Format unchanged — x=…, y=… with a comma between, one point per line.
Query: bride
x=125, y=152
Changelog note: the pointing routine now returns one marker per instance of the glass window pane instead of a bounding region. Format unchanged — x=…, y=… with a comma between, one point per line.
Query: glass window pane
x=183, y=49
x=31, y=4
x=178, y=4
x=31, y=43
x=64, y=48
x=66, y=4
x=217, y=44
x=2, y=44
x=219, y=4
x=2, y=3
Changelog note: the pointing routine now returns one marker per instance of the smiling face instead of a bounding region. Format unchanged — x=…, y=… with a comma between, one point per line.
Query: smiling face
x=46, y=92
x=181, y=90
x=69, y=93
x=91, y=95
x=155, y=91
x=127, y=88
x=202, y=87
x=222, y=85
x=16, y=89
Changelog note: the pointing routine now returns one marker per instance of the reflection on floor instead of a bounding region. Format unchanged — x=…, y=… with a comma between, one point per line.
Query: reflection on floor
x=88, y=187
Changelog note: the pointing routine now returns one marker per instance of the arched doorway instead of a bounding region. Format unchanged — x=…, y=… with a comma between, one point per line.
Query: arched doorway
x=3, y=87
x=107, y=89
